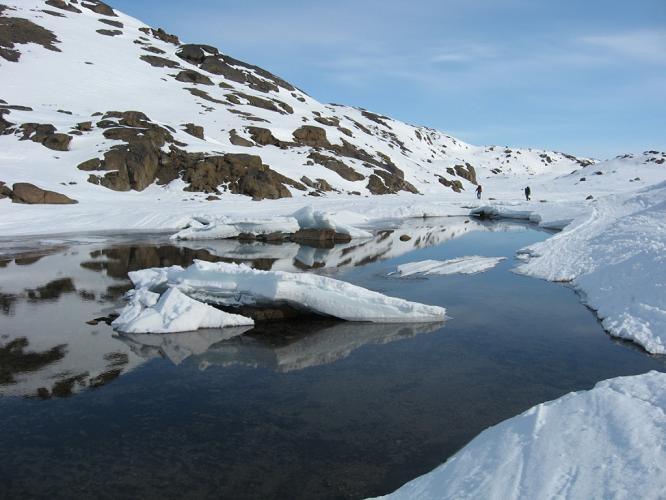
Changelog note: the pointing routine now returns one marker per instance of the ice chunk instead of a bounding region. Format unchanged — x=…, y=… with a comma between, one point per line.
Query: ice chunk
x=173, y=312
x=309, y=218
x=224, y=227
x=609, y=442
x=461, y=265
x=233, y=285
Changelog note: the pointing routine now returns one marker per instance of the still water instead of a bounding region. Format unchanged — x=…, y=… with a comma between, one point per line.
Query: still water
x=290, y=409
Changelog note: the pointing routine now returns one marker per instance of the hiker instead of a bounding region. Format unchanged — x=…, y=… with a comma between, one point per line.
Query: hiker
x=528, y=192
x=479, y=190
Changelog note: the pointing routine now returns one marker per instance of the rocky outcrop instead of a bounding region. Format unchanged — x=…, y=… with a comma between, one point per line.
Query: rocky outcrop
x=454, y=185
x=45, y=134
x=194, y=130
x=237, y=140
x=5, y=192
x=191, y=76
x=99, y=8
x=61, y=4
x=264, y=137
x=309, y=135
x=466, y=172
x=160, y=34
x=381, y=182
x=23, y=192
x=16, y=30
x=340, y=168
x=159, y=62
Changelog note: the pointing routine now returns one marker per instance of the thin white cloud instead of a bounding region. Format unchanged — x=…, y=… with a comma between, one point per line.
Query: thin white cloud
x=647, y=46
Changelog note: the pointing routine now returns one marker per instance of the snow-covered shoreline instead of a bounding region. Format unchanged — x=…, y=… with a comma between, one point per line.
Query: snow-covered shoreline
x=608, y=442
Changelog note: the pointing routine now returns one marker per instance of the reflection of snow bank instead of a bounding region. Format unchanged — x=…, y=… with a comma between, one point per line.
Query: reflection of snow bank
x=233, y=285
x=461, y=265
x=147, y=312
x=219, y=228
x=615, y=254
x=608, y=442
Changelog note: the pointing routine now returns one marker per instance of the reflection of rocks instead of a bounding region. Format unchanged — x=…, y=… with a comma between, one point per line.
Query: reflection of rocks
x=52, y=290
x=14, y=359
x=280, y=346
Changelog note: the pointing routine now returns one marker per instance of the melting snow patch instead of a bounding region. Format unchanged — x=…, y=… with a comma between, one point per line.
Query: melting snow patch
x=235, y=285
x=461, y=265
x=608, y=442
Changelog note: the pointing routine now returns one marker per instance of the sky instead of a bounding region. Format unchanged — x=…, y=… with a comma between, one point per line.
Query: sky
x=586, y=77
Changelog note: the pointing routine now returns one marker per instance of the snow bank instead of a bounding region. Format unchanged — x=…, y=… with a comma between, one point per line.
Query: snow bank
x=615, y=255
x=609, y=442
x=234, y=285
x=147, y=312
x=461, y=265
x=220, y=228
x=309, y=218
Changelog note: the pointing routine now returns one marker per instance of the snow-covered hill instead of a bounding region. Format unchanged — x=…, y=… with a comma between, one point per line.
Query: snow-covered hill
x=94, y=100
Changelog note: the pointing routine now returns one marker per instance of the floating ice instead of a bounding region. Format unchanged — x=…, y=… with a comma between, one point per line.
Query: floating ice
x=234, y=285
x=461, y=265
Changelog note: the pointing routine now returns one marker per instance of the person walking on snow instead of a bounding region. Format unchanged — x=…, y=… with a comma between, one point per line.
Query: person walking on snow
x=528, y=192
x=479, y=190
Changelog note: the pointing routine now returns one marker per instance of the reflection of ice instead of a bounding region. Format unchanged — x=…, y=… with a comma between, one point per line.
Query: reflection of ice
x=178, y=346
x=325, y=343
x=384, y=245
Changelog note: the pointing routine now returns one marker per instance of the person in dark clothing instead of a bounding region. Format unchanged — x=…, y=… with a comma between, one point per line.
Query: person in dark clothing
x=528, y=193
x=479, y=190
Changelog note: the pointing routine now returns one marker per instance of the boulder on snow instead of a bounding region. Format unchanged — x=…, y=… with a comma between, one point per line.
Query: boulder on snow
x=99, y=8
x=194, y=130
x=309, y=135
x=191, y=76
x=24, y=192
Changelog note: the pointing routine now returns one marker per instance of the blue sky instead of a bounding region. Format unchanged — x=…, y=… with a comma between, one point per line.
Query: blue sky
x=585, y=76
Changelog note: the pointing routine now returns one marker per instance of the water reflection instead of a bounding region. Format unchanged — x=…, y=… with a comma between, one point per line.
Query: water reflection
x=282, y=347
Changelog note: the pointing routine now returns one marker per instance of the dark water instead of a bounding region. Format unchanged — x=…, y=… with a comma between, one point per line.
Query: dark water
x=294, y=409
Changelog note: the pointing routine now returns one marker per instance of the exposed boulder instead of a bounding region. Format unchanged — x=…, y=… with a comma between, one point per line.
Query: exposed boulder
x=99, y=8
x=16, y=30
x=159, y=62
x=160, y=34
x=91, y=165
x=5, y=192
x=466, y=173
x=264, y=137
x=454, y=185
x=109, y=32
x=111, y=22
x=24, y=192
x=195, y=54
x=191, y=76
x=45, y=134
x=309, y=135
x=381, y=182
x=61, y=4
x=6, y=127
x=340, y=168
x=237, y=140
x=194, y=130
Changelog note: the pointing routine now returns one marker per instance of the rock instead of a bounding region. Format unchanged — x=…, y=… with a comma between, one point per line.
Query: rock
x=84, y=126
x=58, y=142
x=237, y=140
x=194, y=130
x=16, y=30
x=590, y=197
x=5, y=192
x=60, y=4
x=90, y=165
x=386, y=183
x=340, y=168
x=309, y=135
x=159, y=62
x=212, y=198
x=24, y=192
x=582, y=179
x=99, y=8
x=109, y=32
x=264, y=137
x=406, y=237
x=195, y=54
x=110, y=22
x=456, y=185
x=191, y=76
x=160, y=34
x=466, y=173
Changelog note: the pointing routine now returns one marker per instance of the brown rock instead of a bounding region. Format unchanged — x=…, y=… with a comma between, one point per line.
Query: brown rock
x=99, y=8
x=191, y=76
x=237, y=140
x=194, y=130
x=309, y=135
x=24, y=192
x=159, y=62
x=343, y=170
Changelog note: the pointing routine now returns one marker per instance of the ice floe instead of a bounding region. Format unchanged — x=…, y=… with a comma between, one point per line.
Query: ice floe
x=173, y=311
x=462, y=265
x=609, y=442
x=235, y=285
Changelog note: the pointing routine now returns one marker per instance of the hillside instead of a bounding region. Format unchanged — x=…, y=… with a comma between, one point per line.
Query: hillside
x=94, y=100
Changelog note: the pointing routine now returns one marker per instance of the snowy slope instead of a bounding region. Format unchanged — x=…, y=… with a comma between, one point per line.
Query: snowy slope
x=97, y=73
x=608, y=442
